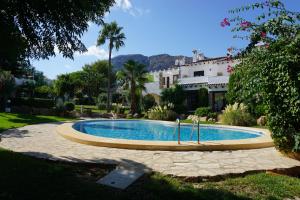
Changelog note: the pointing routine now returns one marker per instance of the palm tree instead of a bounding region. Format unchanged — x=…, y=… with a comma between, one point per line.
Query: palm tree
x=133, y=77
x=115, y=37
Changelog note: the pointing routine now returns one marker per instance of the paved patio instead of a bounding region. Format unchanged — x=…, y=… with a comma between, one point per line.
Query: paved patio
x=42, y=141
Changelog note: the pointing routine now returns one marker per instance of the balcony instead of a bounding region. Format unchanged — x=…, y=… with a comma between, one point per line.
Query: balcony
x=204, y=80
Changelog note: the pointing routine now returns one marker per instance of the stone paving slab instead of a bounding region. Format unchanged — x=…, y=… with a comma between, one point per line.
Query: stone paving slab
x=121, y=177
x=42, y=141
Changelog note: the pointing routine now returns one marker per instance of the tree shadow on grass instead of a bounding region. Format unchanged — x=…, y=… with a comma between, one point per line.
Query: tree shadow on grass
x=24, y=177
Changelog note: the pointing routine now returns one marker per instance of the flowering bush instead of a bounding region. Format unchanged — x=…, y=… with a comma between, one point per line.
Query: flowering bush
x=268, y=73
x=238, y=115
x=162, y=112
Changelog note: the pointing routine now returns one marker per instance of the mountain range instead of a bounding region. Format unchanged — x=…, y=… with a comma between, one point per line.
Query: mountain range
x=155, y=62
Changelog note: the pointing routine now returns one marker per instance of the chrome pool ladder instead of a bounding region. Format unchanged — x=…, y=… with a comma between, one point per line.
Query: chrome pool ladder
x=178, y=125
x=192, y=133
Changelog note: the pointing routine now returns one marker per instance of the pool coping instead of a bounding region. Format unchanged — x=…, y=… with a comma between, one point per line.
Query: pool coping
x=67, y=131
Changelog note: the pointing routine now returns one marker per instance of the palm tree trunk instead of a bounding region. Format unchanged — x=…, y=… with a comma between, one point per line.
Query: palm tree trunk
x=108, y=78
x=133, y=97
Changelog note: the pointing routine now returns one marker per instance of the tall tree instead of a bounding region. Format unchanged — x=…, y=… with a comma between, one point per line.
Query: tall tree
x=115, y=37
x=134, y=77
x=96, y=76
x=32, y=29
x=64, y=86
x=7, y=85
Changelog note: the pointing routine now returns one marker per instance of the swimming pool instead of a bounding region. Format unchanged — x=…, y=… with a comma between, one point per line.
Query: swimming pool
x=162, y=135
x=148, y=130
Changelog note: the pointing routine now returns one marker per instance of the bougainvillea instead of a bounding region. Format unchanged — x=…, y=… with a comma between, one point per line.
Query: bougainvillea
x=225, y=22
x=269, y=69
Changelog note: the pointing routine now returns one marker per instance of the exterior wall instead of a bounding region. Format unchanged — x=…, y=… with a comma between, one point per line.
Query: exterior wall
x=210, y=68
x=215, y=79
x=165, y=73
x=152, y=88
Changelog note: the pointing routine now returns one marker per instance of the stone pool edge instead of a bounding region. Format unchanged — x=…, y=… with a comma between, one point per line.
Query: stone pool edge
x=67, y=131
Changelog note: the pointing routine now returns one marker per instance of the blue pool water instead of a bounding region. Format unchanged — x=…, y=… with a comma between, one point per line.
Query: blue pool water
x=158, y=131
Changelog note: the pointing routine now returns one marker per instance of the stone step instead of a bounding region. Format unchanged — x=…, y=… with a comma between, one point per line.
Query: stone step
x=121, y=177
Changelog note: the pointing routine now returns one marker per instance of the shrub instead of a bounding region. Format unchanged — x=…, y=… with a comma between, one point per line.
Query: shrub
x=59, y=106
x=118, y=108
x=212, y=115
x=162, y=113
x=260, y=110
x=69, y=106
x=176, y=96
x=271, y=72
x=148, y=101
x=33, y=102
x=238, y=115
x=203, y=111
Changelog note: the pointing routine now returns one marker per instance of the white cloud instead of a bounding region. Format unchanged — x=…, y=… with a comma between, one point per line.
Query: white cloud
x=138, y=11
x=67, y=66
x=94, y=51
x=127, y=6
x=124, y=4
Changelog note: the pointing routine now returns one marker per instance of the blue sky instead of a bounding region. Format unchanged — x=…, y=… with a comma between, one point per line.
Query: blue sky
x=154, y=27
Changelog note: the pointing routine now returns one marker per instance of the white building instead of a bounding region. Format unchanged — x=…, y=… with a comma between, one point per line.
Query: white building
x=210, y=73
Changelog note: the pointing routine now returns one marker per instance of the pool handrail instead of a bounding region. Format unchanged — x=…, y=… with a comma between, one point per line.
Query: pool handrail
x=178, y=122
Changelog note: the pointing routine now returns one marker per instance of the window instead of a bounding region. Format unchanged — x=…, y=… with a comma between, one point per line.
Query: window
x=168, y=82
x=164, y=80
x=175, y=78
x=219, y=73
x=198, y=73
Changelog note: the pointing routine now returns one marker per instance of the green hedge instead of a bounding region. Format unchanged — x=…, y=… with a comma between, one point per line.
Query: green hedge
x=69, y=106
x=33, y=102
x=203, y=111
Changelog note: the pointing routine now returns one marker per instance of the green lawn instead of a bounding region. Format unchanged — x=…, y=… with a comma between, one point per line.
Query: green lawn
x=23, y=177
x=11, y=120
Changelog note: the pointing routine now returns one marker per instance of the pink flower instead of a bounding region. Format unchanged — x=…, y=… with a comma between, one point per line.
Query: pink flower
x=263, y=34
x=245, y=24
x=225, y=22
x=229, y=69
